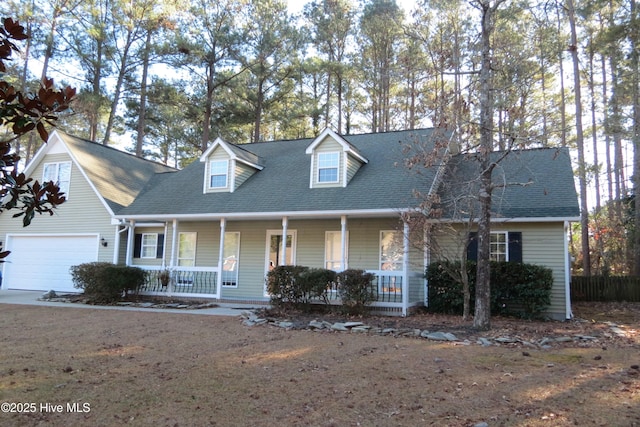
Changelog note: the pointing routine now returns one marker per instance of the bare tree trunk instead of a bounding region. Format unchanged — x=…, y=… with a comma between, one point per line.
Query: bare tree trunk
x=482, y=317
x=582, y=169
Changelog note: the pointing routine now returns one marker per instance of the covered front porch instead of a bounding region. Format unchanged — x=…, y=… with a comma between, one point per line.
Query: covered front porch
x=228, y=259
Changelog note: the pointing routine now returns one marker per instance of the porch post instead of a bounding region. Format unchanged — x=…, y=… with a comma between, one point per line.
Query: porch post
x=130, y=237
x=174, y=250
x=174, y=243
x=343, y=242
x=285, y=225
x=405, y=269
x=223, y=227
x=164, y=245
x=116, y=245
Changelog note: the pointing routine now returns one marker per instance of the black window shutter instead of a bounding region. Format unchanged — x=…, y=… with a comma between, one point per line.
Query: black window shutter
x=160, y=247
x=137, y=246
x=472, y=248
x=515, y=246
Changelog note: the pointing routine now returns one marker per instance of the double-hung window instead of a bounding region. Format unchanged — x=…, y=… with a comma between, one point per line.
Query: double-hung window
x=60, y=173
x=333, y=250
x=504, y=246
x=149, y=247
x=498, y=246
x=328, y=164
x=219, y=173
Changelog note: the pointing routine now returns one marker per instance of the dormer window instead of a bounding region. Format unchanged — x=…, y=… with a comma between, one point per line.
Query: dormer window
x=328, y=164
x=334, y=161
x=219, y=170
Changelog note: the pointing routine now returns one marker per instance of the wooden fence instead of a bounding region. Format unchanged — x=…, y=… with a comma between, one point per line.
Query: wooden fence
x=601, y=288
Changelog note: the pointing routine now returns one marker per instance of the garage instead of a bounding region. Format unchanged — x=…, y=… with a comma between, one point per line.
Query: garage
x=41, y=263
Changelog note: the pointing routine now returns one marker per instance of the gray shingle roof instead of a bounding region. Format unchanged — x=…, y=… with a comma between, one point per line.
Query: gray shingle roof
x=283, y=184
x=384, y=183
x=536, y=183
x=118, y=176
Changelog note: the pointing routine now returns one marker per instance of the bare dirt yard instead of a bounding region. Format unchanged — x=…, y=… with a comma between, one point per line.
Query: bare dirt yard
x=90, y=367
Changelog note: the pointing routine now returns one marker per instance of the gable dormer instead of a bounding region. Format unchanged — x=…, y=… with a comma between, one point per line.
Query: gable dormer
x=334, y=161
x=227, y=166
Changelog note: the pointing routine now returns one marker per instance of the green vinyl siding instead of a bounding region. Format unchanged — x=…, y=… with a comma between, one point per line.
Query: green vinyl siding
x=242, y=173
x=328, y=145
x=83, y=212
x=352, y=167
x=542, y=244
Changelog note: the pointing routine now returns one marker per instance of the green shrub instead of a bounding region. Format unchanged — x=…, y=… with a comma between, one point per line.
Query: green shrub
x=355, y=290
x=103, y=282
x=445, y=293
x=520, y=289
x=298, y=286
x=315, y=282
x=283, y=286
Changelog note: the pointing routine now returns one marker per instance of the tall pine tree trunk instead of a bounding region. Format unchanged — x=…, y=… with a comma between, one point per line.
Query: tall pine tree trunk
x=582, y=167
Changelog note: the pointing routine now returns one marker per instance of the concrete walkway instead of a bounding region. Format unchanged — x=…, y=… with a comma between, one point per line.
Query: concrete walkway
x=10, y=296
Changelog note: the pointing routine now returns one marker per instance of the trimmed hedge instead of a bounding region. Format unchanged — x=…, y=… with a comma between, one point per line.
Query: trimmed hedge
x=297, y=285
x=516, y=288
x=354, y=288
x=104, y=282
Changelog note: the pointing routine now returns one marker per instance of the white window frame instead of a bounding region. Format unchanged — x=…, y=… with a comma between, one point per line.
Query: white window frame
x=323, y=165
x=331, y=239
x=55, y=175
x=186, y=279
x=152, y=246
x=217, y=166
x=231, y=261
x=385, y=262
x=494, y=253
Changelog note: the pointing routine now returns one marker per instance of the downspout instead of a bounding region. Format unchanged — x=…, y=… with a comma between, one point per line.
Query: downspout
x=567, y=274
x=223, y=227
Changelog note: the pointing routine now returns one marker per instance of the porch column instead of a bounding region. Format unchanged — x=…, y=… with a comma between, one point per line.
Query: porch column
x=285, y=225
x=164, y=245
x=343, y=243
x=223, y=227
x=174, y=243
x=116, y=245
x=130, y=237
x=405, y=269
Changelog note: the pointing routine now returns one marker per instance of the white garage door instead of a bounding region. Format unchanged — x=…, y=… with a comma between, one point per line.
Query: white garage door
x=41, y=263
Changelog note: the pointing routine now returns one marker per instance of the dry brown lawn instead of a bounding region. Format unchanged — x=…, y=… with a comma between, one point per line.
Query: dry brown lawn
x=86, y=367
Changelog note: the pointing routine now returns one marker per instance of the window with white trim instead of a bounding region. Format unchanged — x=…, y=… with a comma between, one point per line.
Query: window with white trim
x=149, y=246
x=218, y=173
x=187, y=249
x=230, y=256
x=60, y=173
x=499, y=246
x=328, y=164
x=391, y=250
x=333, y=250
x=504, y=246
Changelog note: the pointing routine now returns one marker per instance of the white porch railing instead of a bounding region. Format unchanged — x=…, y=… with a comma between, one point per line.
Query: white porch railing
x=199, y=282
